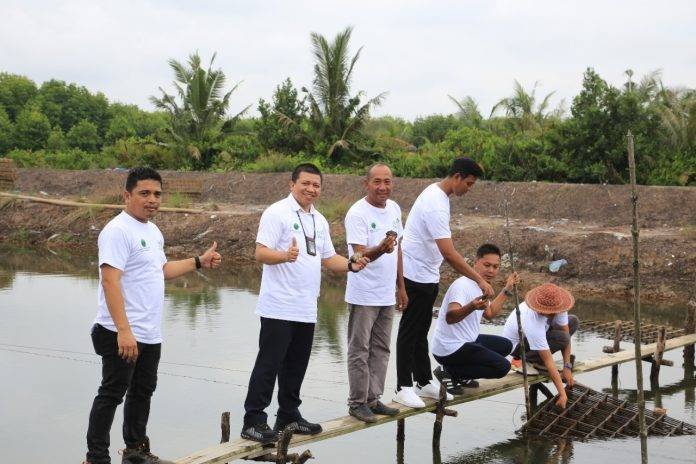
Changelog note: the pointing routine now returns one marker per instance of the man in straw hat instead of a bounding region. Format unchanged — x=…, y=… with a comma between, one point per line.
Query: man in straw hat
x=547, y=328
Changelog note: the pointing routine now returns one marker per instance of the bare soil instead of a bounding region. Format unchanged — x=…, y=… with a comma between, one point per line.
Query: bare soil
x=588, y=225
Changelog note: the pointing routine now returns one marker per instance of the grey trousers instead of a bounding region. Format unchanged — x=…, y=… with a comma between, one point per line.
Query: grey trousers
x=556, y=338
x=369, y=335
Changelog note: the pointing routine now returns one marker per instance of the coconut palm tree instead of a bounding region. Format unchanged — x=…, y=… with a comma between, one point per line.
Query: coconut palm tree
x=198, y=110
x=522, y=106
x=335, y=117
x=468, y=111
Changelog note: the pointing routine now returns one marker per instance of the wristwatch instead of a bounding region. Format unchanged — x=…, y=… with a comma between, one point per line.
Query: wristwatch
x=350, y=266
x=507, y=292
x=568, y=366
x=198, y=262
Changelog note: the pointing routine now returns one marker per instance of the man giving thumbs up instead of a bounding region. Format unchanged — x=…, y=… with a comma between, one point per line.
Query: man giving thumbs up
x=293, y=243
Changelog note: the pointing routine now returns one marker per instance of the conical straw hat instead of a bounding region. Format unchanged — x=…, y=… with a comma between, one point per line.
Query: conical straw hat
x=549, y=299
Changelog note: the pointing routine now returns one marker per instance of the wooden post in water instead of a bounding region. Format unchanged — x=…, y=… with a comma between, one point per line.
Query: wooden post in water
x=636, y=304
x=615, y=368
x=657, y=358
x=225, y=427
x=439, y=414
x=689, y=328
x=520, y=331
x=400, y=437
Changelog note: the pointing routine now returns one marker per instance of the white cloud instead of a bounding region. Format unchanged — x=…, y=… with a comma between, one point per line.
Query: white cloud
x=418, y=51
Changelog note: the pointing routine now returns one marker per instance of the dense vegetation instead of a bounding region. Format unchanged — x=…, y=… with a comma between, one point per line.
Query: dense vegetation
x=65, y=126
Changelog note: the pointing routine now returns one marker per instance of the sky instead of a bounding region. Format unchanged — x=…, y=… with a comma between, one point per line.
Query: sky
x=418, y=51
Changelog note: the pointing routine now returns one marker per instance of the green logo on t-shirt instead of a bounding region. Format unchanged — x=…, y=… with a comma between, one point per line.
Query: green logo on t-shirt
x=143, y=243
x=373, y=225
x=296, y=226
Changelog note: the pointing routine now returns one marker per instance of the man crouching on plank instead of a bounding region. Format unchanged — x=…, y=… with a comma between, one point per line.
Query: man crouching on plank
x=458, y=344
x=547, y=329
x=293, y=243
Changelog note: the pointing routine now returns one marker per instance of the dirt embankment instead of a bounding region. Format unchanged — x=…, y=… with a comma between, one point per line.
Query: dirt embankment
x=587, y=225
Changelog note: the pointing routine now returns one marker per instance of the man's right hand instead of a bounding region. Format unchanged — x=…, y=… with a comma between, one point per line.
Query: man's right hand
x=562, y=400
x=127, y=346
x=292, y=252
x=479, y=303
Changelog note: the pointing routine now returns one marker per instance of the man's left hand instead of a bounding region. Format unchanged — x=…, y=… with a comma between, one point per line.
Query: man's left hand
x=211, y=258
x=401, y=299
x=568, y=377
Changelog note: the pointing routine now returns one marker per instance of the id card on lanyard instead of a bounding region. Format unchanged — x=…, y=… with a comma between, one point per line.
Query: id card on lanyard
x=310, y=242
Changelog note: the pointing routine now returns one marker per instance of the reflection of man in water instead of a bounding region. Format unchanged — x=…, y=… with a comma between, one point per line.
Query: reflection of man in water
x=127, y=329
x=293, y=243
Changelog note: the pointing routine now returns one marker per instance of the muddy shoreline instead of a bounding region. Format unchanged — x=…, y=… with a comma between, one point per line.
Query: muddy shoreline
x=587, y=225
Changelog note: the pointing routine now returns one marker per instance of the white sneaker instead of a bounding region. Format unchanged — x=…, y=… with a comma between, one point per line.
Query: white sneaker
x=408, y=397
x=432, y=390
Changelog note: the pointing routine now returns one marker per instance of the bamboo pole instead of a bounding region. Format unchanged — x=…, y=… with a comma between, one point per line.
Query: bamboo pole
x=520, y=332
x=636, y=304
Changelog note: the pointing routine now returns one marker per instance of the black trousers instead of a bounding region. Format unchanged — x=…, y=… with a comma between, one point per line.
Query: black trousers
x=284, y=349
x=482, y=359
x=412, y=357
x=135, y=380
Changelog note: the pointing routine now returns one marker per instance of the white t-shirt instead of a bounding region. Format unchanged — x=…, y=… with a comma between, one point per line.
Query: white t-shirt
x=289, y=291
x=428, y=221
x=448, y=338
x=367, y=225
x=534, y=325
x=137, y=249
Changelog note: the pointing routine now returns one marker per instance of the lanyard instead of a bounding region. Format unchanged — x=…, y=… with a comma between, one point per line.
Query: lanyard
x=310, y=243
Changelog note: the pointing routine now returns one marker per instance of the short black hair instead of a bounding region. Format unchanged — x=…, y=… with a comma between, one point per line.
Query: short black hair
x=487, y=249
x=465, y=167
x=308, y=168
x=141, y=173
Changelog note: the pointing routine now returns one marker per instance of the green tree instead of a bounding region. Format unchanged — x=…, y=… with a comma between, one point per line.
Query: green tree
x=68, y=104
x=433, y=128
x=127, y=121
x=198, y=112
x=6, y=132
x=56, y=140
x=84, y=135
x=15, y=92
x=468, y=111
x=31, y=129
x=274, y=133
x=335, y=117
x=525, y=111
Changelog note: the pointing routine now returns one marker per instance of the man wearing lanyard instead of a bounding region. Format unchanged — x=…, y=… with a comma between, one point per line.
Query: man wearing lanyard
x=292, y=243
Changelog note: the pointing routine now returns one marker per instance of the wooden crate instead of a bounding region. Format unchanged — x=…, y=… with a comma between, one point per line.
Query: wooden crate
x=8, y=174
x=189, y=187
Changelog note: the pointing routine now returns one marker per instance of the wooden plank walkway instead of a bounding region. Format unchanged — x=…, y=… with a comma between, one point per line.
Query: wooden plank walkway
x=241, y=448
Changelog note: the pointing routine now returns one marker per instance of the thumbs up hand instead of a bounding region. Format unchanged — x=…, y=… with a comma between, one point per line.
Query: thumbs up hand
x=292, y=252
x=211, y=258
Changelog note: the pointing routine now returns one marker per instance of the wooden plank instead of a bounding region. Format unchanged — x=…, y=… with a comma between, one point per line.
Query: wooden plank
x=240, y=448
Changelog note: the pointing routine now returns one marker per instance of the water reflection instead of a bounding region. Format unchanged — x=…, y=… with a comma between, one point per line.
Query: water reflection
x=521, y=450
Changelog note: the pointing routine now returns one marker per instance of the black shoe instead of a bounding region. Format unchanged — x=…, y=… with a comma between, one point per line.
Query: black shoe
x=259, y=432
x=301, y=426
x=382, y=409
x=450, y=384
x=363, y=412
x=141, y=455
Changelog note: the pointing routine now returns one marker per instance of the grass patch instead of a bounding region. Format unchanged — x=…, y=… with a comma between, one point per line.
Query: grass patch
x=177, y=200
x=689, y=232
x=334, y=210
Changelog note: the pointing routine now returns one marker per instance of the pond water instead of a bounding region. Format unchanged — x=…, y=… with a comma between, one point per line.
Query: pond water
x=50, y=375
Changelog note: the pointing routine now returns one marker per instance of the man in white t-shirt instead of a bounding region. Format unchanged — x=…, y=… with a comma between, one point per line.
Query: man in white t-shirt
x=547, y=329
x=373, y=294
x=427, y=241
x=127, y=330
x=458, y=344
x=292, y=243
